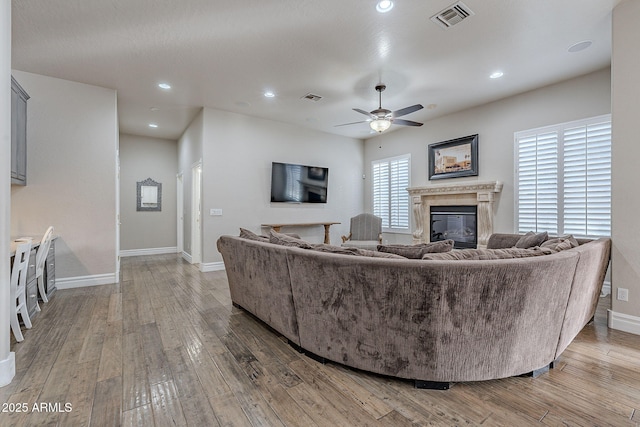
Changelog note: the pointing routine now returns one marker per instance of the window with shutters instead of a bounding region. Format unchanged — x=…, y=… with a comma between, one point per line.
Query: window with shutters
x=390, y=196
x=563, y=178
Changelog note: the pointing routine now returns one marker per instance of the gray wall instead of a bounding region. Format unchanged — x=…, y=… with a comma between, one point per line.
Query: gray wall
x=495, y=123
x=237, y=152
x=7, y=360
x=142, y=158
x=189, y=152
x=626, y=151
x=72, y=138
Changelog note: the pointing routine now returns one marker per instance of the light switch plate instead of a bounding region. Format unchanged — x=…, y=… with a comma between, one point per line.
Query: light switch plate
x=215, y=212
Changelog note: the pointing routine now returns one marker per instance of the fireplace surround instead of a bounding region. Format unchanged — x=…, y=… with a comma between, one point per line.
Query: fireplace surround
x=479, y=194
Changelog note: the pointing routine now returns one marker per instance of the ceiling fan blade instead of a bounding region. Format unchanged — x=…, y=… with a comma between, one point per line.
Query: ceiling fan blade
x=366, y=113
x=352, y=123
x=405, y=122
x=407, y=110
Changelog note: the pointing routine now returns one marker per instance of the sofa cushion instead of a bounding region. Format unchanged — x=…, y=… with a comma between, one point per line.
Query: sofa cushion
x=531, y=240
x=323, y=247
x=250, y=235
x=362, y=244
x=483, y=254
x=561, y=243
x=502, y=240
x=417, y=251
x=284, y=240
x=353, y=251
x=376, y=254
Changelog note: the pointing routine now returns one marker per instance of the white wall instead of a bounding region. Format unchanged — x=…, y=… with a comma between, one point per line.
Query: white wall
x=147, y=231
x=626, y=151
x=72, y=140
x=495, y=124
x=237, y=152
x=189, y=152
x=7, y=358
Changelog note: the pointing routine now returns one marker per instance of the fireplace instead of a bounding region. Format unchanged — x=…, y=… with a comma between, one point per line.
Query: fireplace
x=481, y=195
x=458, y=223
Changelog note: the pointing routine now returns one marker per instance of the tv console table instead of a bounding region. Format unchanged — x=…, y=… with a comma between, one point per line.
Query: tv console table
x=277, y=227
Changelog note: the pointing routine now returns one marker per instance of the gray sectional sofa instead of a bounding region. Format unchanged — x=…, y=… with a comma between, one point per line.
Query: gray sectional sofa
x=430, y=320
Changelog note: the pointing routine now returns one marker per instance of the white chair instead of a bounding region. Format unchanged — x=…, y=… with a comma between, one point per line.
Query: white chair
x=365, y=232
x=18, y=290
x=41, y=263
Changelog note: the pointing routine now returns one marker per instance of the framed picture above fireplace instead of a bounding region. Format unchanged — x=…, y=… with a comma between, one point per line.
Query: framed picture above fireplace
x=454, y=158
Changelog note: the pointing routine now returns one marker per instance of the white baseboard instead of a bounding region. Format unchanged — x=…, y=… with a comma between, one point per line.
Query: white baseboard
x=204, y=267
x=82, y=281
x=212, y=266
x=623, y=322
x=7, y=369
x=148, y=251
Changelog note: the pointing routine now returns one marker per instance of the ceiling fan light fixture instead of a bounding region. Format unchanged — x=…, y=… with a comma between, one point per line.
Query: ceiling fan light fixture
x=380, y=125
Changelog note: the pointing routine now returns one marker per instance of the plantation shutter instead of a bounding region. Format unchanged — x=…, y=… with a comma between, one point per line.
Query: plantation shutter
x=390, y=196
x=381, y=192
x=587, y=180
x=563, y=179
x=538, y=183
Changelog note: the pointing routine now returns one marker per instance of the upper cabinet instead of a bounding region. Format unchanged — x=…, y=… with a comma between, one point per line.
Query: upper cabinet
x=18, y=133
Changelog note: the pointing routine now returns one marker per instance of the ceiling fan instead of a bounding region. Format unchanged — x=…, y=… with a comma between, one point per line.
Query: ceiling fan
x=381, y=118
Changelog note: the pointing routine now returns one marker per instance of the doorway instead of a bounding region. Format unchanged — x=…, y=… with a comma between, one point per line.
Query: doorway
x=180, y=214
x=196, y=214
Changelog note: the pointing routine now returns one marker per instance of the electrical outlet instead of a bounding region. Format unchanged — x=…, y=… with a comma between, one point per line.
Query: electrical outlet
x=623, y=294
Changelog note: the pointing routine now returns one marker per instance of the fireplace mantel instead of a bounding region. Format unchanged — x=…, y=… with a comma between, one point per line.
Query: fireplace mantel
x=480, y=194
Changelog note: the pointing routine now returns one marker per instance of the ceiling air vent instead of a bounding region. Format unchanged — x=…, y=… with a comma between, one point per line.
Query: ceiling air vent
x=312, y=97
x=452, y=15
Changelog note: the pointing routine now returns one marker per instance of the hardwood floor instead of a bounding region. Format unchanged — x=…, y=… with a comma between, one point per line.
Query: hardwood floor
x=166, y=347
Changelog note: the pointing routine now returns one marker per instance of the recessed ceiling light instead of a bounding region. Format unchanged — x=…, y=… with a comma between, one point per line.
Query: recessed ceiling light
x=153, y=125
x=577, y=47
x=496, y=75
x=165, y=86
x=384, y=6
x=269, y=94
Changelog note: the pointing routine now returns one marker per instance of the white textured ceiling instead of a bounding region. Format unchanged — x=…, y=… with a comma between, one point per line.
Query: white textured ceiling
x=225, y=54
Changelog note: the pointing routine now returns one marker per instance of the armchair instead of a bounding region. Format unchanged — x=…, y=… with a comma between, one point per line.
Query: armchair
x=365, y=232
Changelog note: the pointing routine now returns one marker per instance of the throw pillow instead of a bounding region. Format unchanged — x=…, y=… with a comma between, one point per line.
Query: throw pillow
x=284, y=240
x=250, y=235
x=561, y=243
x=531, y=240
x=568, y=238
x=417, y=251
x=322, y=247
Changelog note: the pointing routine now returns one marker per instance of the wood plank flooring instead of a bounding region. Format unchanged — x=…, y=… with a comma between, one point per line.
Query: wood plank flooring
x=165, y=347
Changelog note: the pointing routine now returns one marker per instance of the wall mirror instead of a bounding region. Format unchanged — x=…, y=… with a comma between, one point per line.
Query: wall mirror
x=149, y=195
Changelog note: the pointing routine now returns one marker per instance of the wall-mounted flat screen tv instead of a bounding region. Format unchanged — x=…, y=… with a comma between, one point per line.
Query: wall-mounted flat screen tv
x=293, y=183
